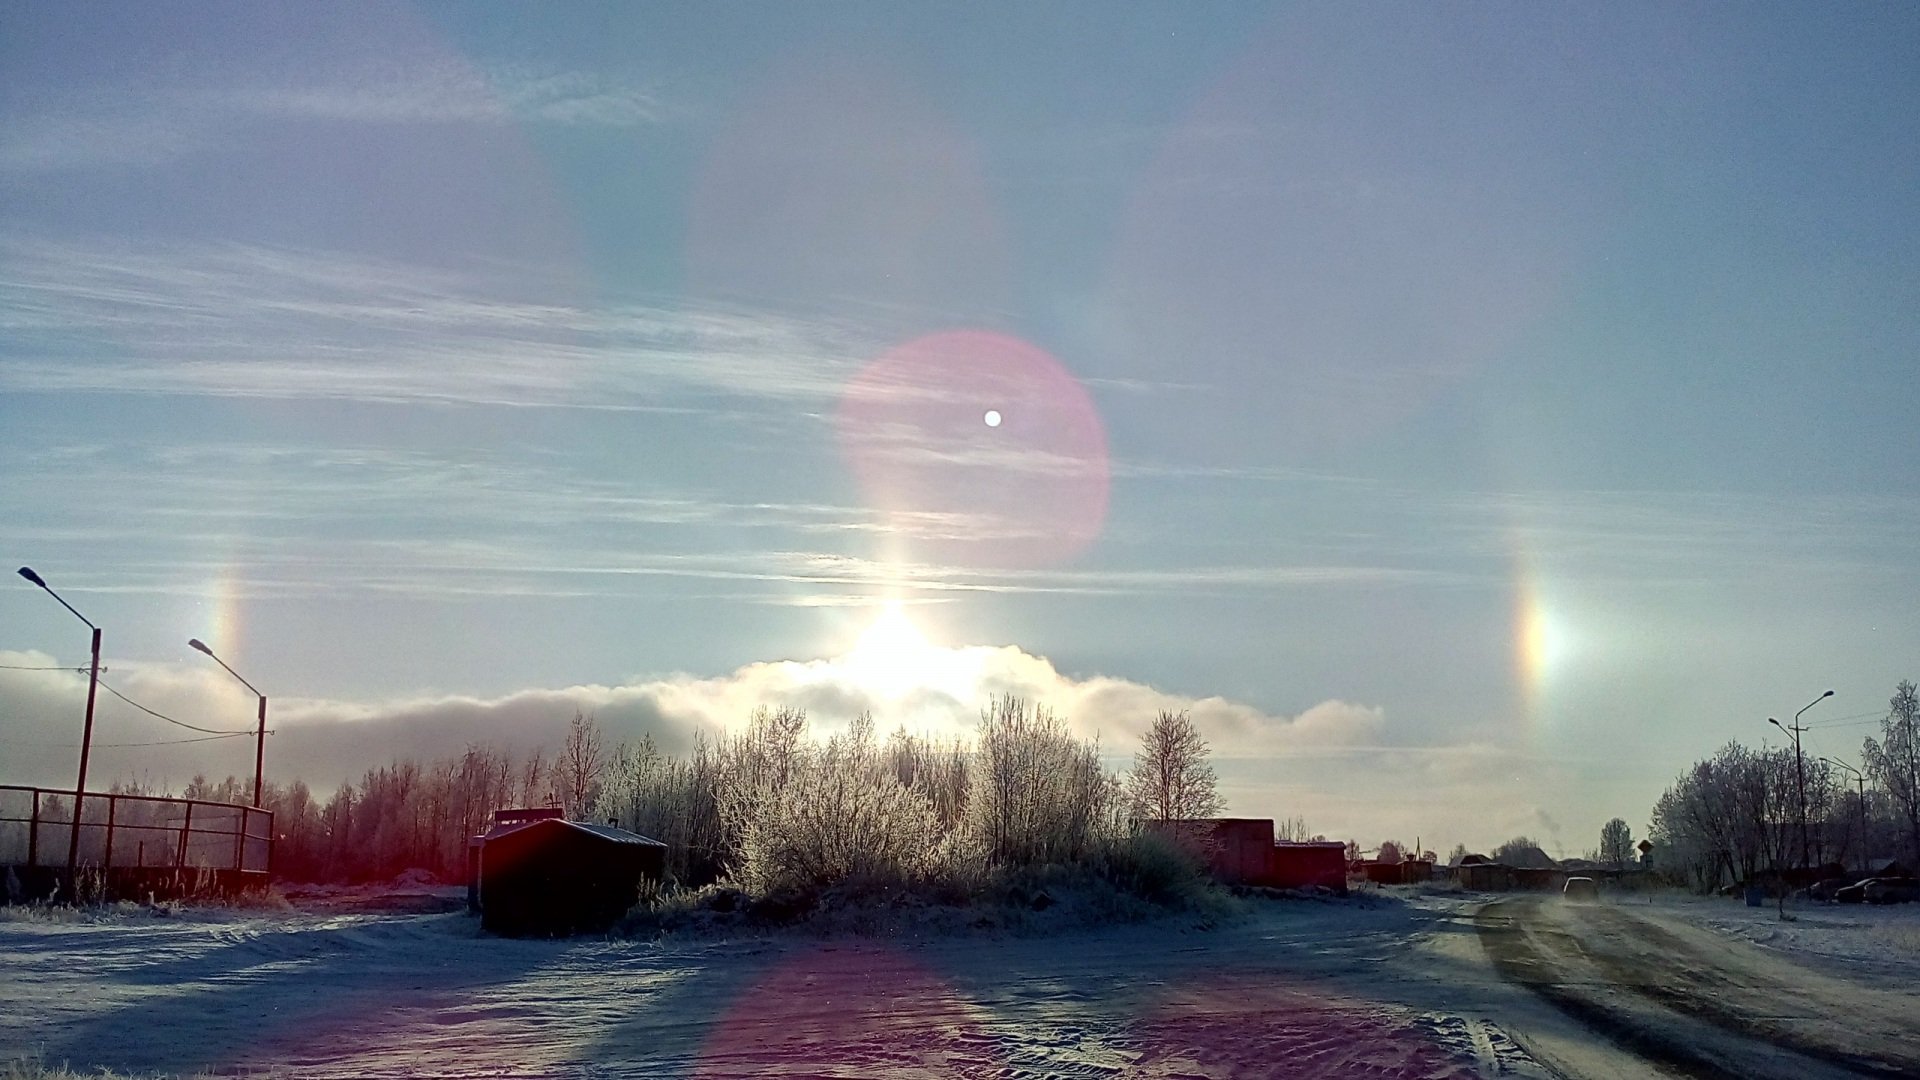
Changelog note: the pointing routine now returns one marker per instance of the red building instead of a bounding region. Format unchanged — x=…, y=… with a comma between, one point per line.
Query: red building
x=1242, y=851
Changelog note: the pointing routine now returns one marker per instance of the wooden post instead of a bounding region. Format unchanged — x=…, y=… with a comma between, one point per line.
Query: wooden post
x=186, y=826
x=33, y=832
x=113, y=803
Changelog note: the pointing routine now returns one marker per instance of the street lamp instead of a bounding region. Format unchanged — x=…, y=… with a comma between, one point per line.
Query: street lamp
x=1799, y=769
x=1860, y=780
x=260, y=738
x=86, y=735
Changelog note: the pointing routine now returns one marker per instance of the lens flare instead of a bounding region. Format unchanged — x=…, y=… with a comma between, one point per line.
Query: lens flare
x=1032, y=492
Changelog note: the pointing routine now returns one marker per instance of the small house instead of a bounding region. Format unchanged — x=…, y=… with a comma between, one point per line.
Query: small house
x=550, y=877
x=1483, y=876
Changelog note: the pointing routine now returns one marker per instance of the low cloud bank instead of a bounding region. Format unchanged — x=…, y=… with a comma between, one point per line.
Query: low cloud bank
x=1331, y=763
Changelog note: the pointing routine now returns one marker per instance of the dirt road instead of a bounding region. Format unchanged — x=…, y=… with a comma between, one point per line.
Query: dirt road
x=1697, y=1004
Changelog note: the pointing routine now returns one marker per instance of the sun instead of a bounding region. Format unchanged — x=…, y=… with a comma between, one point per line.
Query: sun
x=892, y=658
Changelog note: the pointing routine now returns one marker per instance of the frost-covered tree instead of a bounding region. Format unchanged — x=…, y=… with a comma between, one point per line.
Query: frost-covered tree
x=1171, y=779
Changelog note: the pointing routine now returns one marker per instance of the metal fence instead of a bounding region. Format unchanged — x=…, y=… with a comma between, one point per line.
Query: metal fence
x=132, y=832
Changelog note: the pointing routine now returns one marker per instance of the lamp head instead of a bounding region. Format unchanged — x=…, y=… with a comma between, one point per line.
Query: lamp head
x=196, y=643
x=1828, y=694
x=1775, y=723
x=27, y=572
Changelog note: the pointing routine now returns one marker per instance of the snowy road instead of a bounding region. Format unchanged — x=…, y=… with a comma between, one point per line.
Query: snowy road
x=1697, y=1002
x=1297, y=990
x=1432, y=988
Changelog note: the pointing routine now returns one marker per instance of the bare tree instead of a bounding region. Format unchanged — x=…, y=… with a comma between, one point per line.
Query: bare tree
x=1293, y=829
x=1616, y=843
x=1170, y=779
x=580, y=765
x=535, y=788
x=1894, y=760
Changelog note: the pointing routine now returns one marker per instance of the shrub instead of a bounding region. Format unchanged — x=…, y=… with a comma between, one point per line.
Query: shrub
x=1038, y=794
x=837, y=814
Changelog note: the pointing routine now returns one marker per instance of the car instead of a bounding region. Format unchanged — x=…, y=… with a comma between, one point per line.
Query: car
x=1855, y=893
x=1580, y=889
x=1891, y=891
x=1825, y=890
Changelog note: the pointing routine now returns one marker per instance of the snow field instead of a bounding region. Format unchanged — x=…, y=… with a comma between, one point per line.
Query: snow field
x=1296, y=989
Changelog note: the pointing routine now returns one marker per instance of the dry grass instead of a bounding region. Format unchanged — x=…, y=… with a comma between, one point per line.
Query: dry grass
x=33, y=1069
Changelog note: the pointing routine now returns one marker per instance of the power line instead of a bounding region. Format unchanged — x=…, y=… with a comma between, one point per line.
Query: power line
x=1848, y=725
x=1835, y=720
x=163, y=742
x=169, y=719
x=25, y=667
x=178, y=742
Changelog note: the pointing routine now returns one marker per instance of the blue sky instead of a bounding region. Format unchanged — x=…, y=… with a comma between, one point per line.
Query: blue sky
x=1473, y=413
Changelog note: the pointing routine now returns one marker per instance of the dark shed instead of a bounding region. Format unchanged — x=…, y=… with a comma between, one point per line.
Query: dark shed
x=1298, y=865
x=551, y=877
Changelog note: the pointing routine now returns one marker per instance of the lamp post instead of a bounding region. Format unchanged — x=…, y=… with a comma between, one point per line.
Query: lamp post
x=1860, y=780
x=260, y=737
x=1799, y=768
x=86, y=734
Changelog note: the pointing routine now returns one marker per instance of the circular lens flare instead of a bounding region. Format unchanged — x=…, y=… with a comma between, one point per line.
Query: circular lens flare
x=1034, y=492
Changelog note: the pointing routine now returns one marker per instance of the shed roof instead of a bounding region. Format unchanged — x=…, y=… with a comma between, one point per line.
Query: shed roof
x=604, y=832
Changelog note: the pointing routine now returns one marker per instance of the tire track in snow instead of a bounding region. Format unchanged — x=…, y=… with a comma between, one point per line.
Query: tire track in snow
x=1691, y=1010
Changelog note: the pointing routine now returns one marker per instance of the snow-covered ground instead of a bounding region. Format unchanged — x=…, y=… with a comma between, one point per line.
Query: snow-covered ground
x=1868, y=941
x=1395, y=987
x=1295, y=989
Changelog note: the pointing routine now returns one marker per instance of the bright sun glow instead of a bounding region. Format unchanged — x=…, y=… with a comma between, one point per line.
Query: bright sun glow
x=993, y=417
x=892, y=657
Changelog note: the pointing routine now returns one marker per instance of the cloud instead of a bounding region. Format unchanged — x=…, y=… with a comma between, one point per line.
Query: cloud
x=170, y=119
x=446, y=92
x=927, y=688
x=1346, y=767
x=245, y=321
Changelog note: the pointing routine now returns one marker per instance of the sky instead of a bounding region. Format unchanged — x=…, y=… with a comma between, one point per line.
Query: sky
x=1470, y=414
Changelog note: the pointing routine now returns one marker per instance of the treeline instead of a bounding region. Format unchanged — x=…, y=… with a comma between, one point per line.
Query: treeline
x=407, y=814
x=1744, y=812
x=768, y=808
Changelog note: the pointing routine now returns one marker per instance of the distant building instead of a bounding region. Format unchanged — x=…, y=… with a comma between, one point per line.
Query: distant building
x=1481, y=875
x=1242, y=851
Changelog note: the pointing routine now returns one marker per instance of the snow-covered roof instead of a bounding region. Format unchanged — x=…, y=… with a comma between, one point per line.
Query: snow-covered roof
x=605, y=832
